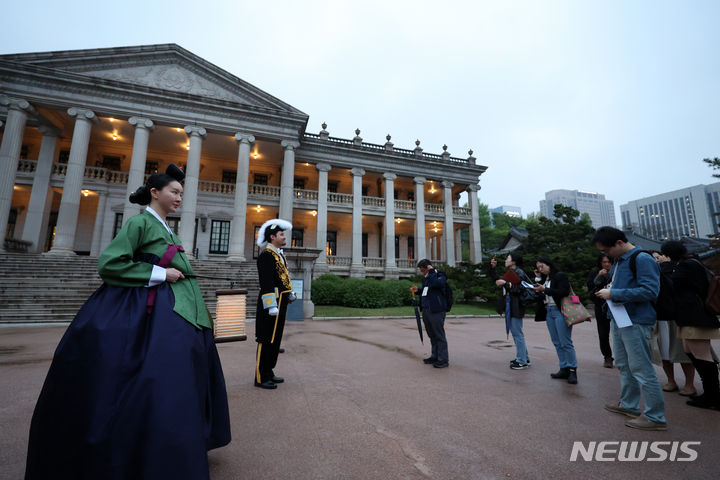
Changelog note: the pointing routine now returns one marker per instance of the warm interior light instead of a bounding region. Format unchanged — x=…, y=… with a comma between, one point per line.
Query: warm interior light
x=229, y=322
x=114, y=136
x=179, y=130
x=187, y=147
x=258, y=208
x=313, y=213
x=255, y=155
x=397, y=220
x=112, y=119
x=307, y=164
x=85, y=193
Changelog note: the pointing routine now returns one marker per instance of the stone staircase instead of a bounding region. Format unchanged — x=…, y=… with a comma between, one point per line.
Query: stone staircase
x=38, y=288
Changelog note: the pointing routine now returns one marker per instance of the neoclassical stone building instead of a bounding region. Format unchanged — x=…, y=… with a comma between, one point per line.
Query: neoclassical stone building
x=81, y=129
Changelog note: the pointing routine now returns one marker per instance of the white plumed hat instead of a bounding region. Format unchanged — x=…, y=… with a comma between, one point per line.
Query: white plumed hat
x=271, y=227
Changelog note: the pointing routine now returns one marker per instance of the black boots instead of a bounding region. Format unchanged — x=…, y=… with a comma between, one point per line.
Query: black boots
x=566, y=373
x=708, y=372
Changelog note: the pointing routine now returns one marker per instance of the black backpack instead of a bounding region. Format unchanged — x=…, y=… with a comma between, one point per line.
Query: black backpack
x=665, y=303
x=448, y=293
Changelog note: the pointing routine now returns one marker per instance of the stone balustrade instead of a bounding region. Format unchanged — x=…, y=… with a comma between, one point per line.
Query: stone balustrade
x=264, y=190
x=461, y=211
x=339, y=261
x=344, y=198
x=434, y=208
x=306, y=194
x=373, y=262
x=373, y=202
x=216, y=187
x=405, y=205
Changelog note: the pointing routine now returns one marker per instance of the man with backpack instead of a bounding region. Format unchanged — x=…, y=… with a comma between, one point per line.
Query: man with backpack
x=434, y=305
x=632, y=323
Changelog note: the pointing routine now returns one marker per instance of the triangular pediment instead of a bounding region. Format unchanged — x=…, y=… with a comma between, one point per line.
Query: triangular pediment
x=166, y=67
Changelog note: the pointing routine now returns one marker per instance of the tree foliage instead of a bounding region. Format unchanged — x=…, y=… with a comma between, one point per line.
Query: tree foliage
x=714, y=163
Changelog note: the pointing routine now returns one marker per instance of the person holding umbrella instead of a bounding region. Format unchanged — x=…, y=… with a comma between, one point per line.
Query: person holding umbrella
x=434, y=306
x=513, y=308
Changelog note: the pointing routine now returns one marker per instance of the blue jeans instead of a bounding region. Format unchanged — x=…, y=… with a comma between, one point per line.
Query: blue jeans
x=561, y=336
x=521, y=355
x=637, y=375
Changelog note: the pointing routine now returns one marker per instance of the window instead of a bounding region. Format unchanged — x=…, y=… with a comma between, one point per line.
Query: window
x=256, y=249
x=364, y=244
x=299, y=183
x=332, y=187
x=364, y=190
x=411, y=247
x=260, y=179
x=396, y=194
x=297, y=238
x=411, y=196
x=219, y=236
x=151, y=167
x=24, y=152
x=229, y=176
x=63, y=156
x=118, y=224
x=173, y=223
x=12, y=219
x=111, y=163
x=397, y=246
x=331, y=244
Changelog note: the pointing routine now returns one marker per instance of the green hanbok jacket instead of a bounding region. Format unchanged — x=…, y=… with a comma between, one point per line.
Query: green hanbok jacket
x=143, y=233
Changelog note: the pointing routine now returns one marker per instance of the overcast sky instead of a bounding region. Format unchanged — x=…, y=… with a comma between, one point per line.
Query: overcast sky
x=616, y=97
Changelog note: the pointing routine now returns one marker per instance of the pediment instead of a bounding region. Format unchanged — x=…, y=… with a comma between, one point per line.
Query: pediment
x=167, y=67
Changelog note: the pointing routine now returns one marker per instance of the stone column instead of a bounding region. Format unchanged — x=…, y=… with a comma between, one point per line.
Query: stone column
x=41, y=196
x=458, y=245
x=287, y=180
x=136, y=178
x=321, y=265
x=18, y=111
x=70, y=200
x=449, y=229
x=190, y=195
x=356, y=266
x=391, y=270
x=236, y=250
x=475, y=245
x=95, y=248
x=420, y=243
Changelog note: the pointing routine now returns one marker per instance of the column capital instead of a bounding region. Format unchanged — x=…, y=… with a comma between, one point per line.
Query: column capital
x=357, y=172
x=420, y=180
x=447, y=184
x=323, y=167
x=289, y=144
x=191, y=130
x=389, y=176
x=473, y=188
x=83, y=113
x=49, y=131
x=141, y=122
x=244, y=138
x=13, y=103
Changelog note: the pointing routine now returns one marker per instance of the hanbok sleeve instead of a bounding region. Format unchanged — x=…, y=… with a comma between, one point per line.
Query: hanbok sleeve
x=115, y=264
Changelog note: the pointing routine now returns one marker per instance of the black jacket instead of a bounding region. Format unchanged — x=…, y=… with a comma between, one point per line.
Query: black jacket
x=559, y=289
x=435, y=299
x=595, y=284
x=690, y=285
x=517, y=309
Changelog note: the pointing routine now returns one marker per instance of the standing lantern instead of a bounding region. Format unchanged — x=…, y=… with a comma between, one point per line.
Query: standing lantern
x=230, y=316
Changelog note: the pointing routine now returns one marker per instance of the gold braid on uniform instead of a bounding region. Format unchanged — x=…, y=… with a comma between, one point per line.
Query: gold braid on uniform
x=282, y=270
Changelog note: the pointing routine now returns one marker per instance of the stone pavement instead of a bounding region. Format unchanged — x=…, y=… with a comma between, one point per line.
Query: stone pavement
x=358, y=403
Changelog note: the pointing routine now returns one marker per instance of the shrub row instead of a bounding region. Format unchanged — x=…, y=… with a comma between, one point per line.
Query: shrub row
x=360, y=292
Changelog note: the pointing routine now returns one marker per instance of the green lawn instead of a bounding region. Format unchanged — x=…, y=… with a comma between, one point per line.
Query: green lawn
x=457, y=309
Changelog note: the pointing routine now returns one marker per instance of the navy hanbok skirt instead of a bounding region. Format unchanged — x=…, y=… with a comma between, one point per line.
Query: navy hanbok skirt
x=129, y=395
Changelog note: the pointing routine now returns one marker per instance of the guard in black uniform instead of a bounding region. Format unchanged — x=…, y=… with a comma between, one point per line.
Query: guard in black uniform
x=275, y=294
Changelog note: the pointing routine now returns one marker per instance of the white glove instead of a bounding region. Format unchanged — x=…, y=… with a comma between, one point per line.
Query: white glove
x=292, y=297
x=273, y=311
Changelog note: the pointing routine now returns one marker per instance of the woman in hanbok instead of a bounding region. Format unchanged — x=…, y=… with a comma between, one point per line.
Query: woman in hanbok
x=135, y=389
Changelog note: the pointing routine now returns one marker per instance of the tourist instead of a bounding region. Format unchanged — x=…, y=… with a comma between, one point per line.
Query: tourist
x=554, y=285
x=634, y=293
x=597, y=280
x=434, y=307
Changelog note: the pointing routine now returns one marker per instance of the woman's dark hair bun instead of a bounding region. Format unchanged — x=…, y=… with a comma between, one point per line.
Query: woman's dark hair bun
x=175, y=172
x=141, y=196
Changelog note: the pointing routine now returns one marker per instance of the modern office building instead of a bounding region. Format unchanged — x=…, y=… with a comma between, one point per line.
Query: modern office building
x=688, y=212
x=82, y=129
x=601, y=211
x=508, y=210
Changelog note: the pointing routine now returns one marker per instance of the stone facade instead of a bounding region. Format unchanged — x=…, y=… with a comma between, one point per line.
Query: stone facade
x=82, y=129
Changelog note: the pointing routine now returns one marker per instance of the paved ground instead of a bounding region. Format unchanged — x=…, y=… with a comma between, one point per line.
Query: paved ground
x=358, y=403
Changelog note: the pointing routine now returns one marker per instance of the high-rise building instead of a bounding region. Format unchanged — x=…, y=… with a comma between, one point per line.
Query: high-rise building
x=508, y=210
x=687, y=212
x=601, y=211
